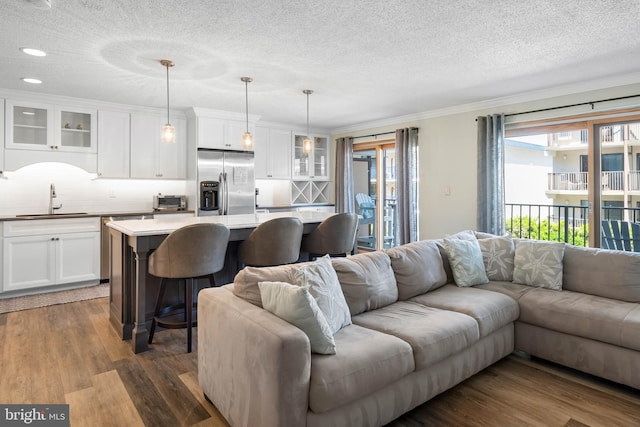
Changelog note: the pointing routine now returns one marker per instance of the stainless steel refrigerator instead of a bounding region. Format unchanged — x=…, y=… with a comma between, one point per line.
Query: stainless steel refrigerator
x=226, y=183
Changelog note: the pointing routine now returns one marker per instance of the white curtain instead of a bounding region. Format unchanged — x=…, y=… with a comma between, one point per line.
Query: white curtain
x=491, y=174
x=407, y=185
x=345, y=197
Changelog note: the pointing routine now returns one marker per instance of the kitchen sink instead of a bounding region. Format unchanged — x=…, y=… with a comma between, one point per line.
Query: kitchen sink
x=55, y=215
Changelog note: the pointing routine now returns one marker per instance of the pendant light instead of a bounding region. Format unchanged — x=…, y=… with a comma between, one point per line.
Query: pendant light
x=307, y=143
x=168, y=131
x=247, y=137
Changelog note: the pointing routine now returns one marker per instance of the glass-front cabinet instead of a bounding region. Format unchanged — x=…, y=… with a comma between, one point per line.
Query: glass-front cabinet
x=313, y=165
x=46, y=127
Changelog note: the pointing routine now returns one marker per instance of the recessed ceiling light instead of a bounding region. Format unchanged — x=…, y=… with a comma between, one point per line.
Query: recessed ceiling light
x=33, y=52
x=32, y=81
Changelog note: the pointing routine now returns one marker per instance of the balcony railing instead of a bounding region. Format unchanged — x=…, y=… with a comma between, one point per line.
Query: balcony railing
x=560, y=223
x=579, y=181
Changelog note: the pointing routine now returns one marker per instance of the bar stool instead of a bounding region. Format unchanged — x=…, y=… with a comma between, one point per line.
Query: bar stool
x=274, y=242
x=188, y=253
x=335, y=236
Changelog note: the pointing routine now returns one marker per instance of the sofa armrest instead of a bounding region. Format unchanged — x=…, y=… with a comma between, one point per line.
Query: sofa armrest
x=253, y=366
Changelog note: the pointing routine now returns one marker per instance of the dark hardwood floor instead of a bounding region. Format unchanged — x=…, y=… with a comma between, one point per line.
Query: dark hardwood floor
x=70, y=354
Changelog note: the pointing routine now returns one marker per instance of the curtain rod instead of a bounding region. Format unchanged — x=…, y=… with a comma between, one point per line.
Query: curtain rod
x=573, y=105
x=374, y=134
x=379, y=134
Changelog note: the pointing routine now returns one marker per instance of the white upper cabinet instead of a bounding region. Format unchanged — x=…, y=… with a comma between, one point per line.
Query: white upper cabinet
x=211, y=133
x=222, y=134
x=272, y=153
x=1, y=144
x=313, y=165
x=39, y=127
x=113, y=144
x=220, y=130
x=150, y=157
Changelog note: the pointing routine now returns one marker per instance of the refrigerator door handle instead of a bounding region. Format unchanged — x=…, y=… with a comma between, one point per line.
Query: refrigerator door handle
x=226, y=194
x=221, y=194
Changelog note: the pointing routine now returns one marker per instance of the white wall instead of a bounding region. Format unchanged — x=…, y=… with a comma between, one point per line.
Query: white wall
x=26, y=191
x=448, y=157
x=526, y=175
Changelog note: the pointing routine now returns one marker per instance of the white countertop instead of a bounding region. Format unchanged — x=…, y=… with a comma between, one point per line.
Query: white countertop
x=160, y=225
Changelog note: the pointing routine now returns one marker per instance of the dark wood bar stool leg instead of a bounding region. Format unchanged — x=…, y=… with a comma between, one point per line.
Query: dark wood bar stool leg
x=156, y=312
x=188, y=310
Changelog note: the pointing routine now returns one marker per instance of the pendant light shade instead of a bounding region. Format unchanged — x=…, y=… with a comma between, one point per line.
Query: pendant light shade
x=247, y=137
x=307, y=143
x=168, y=131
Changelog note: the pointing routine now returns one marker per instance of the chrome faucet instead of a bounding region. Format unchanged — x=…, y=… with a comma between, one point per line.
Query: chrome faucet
x=53, y=195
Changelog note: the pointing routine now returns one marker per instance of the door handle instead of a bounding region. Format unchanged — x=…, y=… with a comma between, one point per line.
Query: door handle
x=226, y=195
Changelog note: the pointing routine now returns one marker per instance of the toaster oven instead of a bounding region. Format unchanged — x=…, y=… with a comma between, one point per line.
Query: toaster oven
x=163, y=202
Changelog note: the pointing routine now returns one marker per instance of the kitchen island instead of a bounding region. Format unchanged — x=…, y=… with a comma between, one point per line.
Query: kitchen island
x=133, y=290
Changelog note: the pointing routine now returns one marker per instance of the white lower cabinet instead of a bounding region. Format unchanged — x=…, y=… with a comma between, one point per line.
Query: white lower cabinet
x=38, y=253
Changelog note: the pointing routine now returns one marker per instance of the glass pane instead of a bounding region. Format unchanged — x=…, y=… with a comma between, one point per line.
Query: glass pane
x=546, y=180
x=364, y=169
x=320, y=156
x=300, y=159
x=620, y=189
x=29, y=125
x=389, y=186
x=76, y=129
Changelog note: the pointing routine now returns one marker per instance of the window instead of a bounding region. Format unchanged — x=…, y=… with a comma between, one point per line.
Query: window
x=609, y=162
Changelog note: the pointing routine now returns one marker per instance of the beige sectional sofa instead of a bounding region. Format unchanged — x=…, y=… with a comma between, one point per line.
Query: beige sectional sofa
x=413, y=331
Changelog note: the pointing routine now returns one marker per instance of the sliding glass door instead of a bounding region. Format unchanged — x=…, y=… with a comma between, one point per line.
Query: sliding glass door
x=375, y=189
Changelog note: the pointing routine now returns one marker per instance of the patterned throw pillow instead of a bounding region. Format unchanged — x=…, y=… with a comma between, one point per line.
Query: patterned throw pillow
x=296, y=305
x=322, y=281
x=465, y=258
x=497, y=254
x=538, y=264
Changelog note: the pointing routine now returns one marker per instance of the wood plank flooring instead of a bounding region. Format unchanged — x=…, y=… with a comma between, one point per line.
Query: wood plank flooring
x=70, y=354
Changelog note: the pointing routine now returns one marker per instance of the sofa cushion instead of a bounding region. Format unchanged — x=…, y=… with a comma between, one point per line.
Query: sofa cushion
x=245, y=284
x=366, y=361
x=611, y=274
x=538, y=263
x=367, y=281
x=491, y=310
x=296, y=305
x=465, y=258
x=514, y=290
x=417, y=267
x=321, y=280
x=497, y=255
x=433, y=334
x=588, y=316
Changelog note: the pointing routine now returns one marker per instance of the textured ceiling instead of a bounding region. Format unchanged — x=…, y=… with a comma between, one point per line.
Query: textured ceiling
x=365, y=60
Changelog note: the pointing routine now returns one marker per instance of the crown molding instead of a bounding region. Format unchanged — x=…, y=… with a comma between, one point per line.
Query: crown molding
x=536, y=95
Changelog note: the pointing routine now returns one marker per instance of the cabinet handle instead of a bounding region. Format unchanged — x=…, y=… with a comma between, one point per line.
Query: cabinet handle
x=55, y=238
x=159, y=175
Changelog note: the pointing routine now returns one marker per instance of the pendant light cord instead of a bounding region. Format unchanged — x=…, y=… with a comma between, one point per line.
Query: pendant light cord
x=246, y=101
x=307, y=114
x=167, y=66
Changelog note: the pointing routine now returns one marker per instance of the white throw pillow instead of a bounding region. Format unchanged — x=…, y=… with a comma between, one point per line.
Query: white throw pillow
x=539, y=264
x=465, y=258
x=322, y=281
x=497, y=254
x=296, y=305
